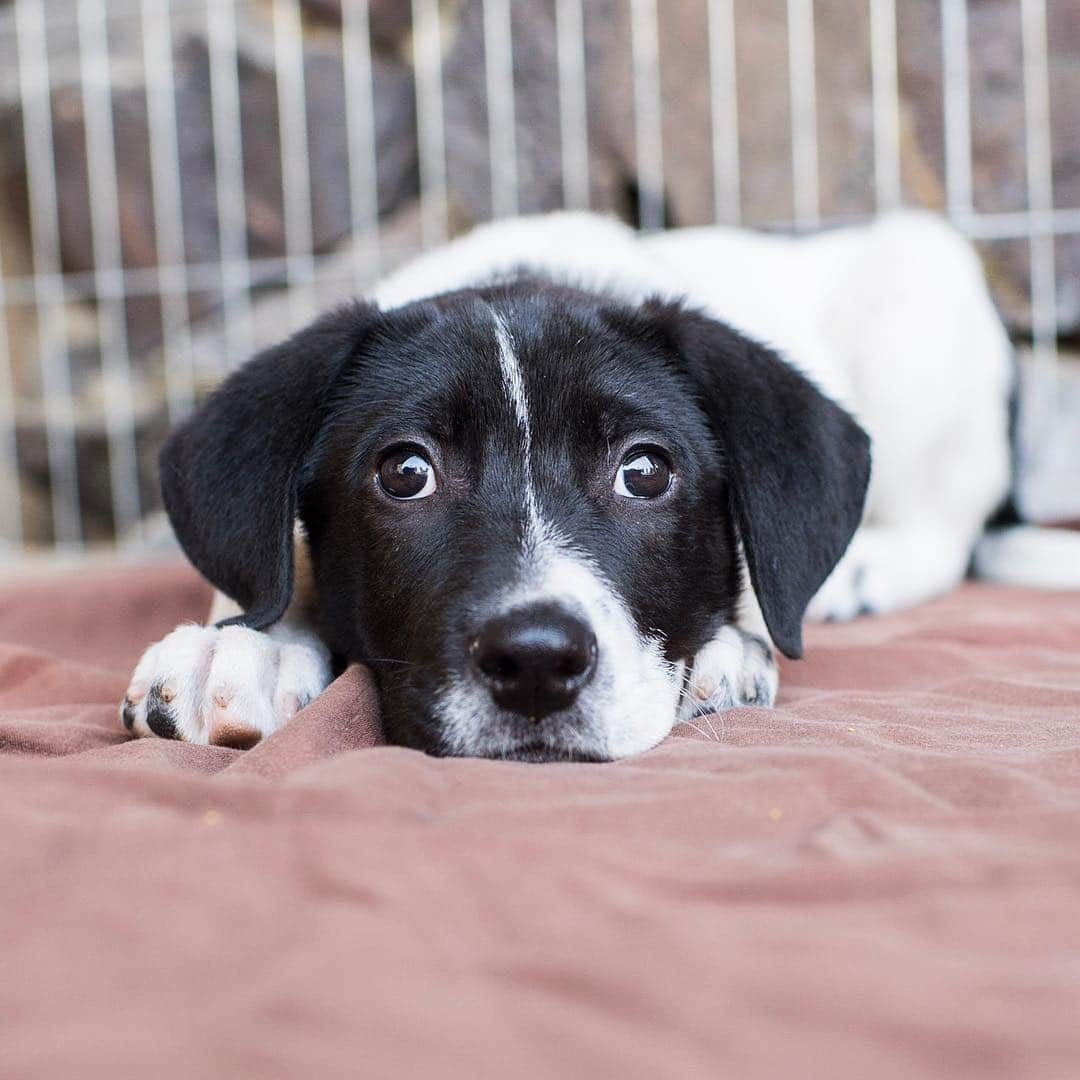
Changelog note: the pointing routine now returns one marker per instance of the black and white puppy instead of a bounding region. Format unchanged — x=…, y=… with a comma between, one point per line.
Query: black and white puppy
x=554, y=500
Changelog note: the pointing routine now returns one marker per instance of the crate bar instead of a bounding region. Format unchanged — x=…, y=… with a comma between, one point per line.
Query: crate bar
x=430, y=125
x=648, y=114
x=168, y=207
x=573, y=104
x=359, y=78
x=802, y=80
x=65, y=16
x=104, y=197
x=48, y=281
x=502, y=136
x=229, y=178
x=1013, y=225
x=1040, y=186
x=724, y=107
x=10, y=493
x=885, y=97
x=295, y=157
x=957, y=90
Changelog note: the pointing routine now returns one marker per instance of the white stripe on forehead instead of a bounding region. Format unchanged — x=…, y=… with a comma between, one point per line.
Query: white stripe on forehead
x=514, y=383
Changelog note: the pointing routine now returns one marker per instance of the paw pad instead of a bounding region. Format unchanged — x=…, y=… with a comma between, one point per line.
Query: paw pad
x=159, y=717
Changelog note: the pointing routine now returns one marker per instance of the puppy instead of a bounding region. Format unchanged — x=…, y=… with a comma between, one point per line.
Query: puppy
x=560, y=485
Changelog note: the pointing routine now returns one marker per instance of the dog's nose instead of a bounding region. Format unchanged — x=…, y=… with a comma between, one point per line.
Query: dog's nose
x=535, y=660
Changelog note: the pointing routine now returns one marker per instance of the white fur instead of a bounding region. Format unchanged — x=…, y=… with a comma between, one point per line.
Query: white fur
x=1028, y=555
x=514, y=382
x=217, y=678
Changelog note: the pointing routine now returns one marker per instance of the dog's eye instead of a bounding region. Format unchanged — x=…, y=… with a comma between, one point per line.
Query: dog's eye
x=404, y=473
x=645, y=473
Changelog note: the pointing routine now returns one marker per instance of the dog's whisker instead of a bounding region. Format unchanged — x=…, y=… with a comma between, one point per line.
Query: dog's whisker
x=700, y=730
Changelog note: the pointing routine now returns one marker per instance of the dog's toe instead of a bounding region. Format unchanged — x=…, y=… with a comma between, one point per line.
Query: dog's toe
x=159, y=714
x=735, y=668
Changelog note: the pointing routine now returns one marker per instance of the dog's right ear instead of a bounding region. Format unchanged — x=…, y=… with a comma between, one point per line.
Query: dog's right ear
x=230, y=473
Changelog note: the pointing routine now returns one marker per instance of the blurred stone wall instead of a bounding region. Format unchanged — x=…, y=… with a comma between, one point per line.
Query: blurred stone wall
x=845, y=163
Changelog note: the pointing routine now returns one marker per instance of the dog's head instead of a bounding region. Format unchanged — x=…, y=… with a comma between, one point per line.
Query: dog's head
x=524, y=504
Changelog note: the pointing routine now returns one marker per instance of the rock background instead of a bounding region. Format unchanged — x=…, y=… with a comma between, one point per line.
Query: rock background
x=345, y=257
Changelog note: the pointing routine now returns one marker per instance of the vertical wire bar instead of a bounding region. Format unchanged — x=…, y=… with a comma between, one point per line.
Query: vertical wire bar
x=168, y=207
x=119, y=394
x=229, y=177
x=1040, y=187
x=431, y=133
x=58, y=406
x=359, y=78
x=724, y=107
x=803, y=90
x=502, y=136
x=295, y=167
x=648, y=114
x=885, y=95
x=10, y=493
x=573, y=114
x=954, y=50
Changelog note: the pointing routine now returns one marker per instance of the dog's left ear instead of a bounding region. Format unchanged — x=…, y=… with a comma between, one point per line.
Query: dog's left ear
x=231, y=473
x=799, y=464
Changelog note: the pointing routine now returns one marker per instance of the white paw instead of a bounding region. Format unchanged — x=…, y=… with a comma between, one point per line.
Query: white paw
x=735, y=668
x=857, y=586
x=227, y=687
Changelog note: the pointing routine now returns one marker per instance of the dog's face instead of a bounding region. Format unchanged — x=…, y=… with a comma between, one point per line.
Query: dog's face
x=518, y=507
x=524, y=506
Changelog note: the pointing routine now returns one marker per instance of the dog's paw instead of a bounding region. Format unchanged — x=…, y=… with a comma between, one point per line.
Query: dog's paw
x=847, y=593
x=735, y=668
x=858, y=585
x=223, y=687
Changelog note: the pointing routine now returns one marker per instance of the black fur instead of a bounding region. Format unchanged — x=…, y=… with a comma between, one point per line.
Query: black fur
x=760, y=455
x=159, y=717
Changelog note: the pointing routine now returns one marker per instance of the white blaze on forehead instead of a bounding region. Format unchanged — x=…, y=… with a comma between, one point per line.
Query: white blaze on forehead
x=514, y=384
x=513, y=379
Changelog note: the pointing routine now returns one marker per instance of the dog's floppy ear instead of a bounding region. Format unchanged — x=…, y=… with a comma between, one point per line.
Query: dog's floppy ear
x=230, y=473
x=798, y=463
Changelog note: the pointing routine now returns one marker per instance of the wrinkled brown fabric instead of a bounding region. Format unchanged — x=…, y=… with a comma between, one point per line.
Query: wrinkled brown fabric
x=881, y=877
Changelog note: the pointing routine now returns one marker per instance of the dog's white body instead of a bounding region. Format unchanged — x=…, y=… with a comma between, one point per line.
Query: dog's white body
x=892, y=320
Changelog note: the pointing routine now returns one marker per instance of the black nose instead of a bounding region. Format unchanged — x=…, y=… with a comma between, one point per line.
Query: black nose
x=535, y=660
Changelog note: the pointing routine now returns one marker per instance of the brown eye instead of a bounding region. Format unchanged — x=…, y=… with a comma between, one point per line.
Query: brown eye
x=646, y=473
x=405, y=473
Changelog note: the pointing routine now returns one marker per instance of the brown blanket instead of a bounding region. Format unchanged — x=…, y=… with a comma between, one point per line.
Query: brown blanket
x=879, y=878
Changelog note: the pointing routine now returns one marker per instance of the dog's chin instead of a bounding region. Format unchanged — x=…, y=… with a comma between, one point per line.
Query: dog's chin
x=507, y=745
x=542, y=753
x=534, y=751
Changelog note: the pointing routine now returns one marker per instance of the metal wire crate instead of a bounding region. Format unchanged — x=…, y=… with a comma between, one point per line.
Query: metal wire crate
x=183, y=181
